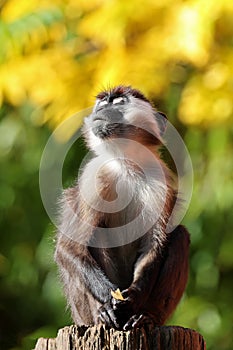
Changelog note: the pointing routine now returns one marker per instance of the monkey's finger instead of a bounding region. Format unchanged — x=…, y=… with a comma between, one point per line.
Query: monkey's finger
x=129, y=323
x=137, y=321
x=108, y=317
x=118, y=304
x=105, y=319
x=125, y=293
x=113, y=318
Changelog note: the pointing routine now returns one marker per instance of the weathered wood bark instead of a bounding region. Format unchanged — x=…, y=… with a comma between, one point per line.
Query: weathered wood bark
x=100, y=338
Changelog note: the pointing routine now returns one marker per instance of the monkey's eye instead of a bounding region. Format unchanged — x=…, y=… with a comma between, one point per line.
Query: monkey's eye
x=118, y=100
x=103, y=103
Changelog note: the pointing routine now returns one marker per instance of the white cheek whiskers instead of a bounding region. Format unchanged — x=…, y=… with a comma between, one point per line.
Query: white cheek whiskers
x=144, y=119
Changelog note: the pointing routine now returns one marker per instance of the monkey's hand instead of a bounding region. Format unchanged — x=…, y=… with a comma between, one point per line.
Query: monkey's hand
x=129, y=311
x=109, y=316
x=130, y=301
x=128, y=307
x=117, y=312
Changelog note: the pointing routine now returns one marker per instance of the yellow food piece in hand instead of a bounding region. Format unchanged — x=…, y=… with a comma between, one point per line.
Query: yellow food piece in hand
x=117, y=294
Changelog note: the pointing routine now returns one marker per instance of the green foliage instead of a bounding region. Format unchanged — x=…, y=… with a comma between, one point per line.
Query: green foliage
x=30, y=293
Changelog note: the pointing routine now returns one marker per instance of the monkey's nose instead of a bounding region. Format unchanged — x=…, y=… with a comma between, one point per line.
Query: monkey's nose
x=109, y=115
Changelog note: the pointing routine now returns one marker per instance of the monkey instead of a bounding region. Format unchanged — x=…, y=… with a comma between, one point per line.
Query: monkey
x=112, y=222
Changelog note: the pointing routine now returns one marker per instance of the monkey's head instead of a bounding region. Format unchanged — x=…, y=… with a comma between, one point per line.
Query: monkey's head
x=123, y=112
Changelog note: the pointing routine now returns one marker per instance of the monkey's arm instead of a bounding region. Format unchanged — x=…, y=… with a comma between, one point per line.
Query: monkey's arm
x=82, y=276
x=72, y=253
x=77, y=260
x=87, y=288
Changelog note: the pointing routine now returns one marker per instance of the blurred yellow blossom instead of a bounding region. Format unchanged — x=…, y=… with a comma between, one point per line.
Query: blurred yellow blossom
x=60, y=54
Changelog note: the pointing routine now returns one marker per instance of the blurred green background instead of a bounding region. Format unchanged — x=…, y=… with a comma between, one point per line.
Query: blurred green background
x=54, y=58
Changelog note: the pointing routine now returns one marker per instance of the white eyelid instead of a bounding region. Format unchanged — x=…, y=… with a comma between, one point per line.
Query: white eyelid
x=118, y=100
x=103, y=103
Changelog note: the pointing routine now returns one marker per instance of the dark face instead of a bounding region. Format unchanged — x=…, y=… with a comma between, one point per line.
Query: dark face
x=108, y=115
x=123, y=112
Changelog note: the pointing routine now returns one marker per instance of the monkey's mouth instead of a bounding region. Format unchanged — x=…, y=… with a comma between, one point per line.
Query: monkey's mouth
x=107, y=130
x=103, y=129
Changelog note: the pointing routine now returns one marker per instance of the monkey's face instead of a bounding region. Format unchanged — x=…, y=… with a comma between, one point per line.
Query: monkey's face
x=123, y=113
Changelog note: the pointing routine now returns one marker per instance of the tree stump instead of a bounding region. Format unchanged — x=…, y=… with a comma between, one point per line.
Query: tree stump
x=101, y=338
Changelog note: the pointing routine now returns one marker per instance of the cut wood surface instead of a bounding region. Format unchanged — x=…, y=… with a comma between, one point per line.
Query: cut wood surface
x=101, y=338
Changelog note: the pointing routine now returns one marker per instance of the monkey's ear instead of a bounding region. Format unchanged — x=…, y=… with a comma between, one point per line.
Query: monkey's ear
x=161, y=120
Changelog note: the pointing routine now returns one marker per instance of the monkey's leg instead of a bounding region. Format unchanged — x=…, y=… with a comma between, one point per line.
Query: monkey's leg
x=169, y=285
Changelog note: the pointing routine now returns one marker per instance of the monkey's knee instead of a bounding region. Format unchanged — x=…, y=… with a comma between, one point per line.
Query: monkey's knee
x=180, y=236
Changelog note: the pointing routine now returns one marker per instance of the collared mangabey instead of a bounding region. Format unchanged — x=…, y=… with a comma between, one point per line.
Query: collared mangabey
x=112, y=231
